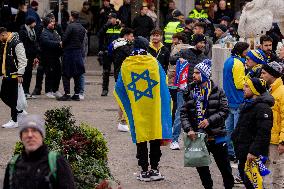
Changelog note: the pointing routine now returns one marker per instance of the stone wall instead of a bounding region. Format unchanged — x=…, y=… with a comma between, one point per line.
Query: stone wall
x=44, y=8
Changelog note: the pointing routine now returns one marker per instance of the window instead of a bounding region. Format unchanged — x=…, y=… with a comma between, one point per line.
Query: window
x=53, y=4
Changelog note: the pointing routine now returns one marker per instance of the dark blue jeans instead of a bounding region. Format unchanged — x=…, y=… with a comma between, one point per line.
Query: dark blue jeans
x=177, y=123
x=231, y=123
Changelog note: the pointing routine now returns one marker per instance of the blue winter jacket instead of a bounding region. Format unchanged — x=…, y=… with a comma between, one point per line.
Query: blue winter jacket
x=233, y=80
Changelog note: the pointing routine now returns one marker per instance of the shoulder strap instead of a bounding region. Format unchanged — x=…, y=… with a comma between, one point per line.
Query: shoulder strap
x=52, y=162
x=12, y=165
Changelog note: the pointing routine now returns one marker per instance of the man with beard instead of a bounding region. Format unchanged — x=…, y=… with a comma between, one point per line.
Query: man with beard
x=205, y=110
x=266, y=46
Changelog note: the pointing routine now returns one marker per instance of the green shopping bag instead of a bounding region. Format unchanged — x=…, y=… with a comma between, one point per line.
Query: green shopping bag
x=195, y=151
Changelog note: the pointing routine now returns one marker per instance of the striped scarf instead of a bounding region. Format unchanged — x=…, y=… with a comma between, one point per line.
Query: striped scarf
x=201, y=96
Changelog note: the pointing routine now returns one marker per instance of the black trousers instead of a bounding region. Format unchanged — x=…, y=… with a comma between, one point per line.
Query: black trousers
x=220, y=154
x=27, y=77
x=9, y=95
x=107, y=62
x=39, y=77
x=155, y=154
x=66, y=84
x=53, y=75
x=173, y=93
x=245, y=179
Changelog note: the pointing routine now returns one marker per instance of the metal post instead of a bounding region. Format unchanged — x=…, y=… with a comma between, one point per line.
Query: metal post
x=59, y=12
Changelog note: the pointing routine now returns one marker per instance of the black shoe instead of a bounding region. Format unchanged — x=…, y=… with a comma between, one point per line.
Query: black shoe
x=104, y=93
x=75, y=97
x=144, y=176
x=65, y=97
x=155, y=175
x=36, y=92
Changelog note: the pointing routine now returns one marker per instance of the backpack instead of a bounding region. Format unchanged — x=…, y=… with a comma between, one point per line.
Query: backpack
x=52, y=159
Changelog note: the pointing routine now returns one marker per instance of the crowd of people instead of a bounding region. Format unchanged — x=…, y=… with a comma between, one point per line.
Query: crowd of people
x=243, y=119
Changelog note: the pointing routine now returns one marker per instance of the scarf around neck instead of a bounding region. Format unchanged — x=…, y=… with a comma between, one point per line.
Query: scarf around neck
x=31, y=33
x=201, y=95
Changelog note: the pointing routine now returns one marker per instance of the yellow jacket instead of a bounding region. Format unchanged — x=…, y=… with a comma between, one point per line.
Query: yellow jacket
x=277, y=132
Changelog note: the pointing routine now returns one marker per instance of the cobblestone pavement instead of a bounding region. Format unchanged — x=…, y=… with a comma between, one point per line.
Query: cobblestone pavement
x=101, y=112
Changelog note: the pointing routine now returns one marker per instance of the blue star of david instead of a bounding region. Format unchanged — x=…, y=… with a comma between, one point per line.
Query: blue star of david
x=151, y=84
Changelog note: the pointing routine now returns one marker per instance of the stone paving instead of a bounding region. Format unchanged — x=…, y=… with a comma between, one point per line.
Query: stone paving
x=101, y=112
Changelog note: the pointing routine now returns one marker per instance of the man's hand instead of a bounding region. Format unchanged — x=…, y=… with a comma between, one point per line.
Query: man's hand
x=36, y=62
x=102, y=11
x=191, y=135
x=281, y=148
x=250, y=157
x=203, y=124
x=61, y=45
x=20, y=79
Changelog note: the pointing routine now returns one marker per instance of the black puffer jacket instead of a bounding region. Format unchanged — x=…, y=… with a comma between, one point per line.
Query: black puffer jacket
x=50, y=44
x=31, y=172
x=216, y=114
x=193, y=57
x=253, y=130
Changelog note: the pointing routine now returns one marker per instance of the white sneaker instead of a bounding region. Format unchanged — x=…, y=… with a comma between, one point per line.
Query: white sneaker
x=24, y=113
x=123, y=128
x=50, y=95
x=81, y=96
x=29, y=96
x=57, y=94
x=10, y=124
x=174, y=146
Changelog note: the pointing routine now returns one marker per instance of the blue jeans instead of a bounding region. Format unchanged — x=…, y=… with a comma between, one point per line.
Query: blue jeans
x=177, y=123
x=231, y=123
x=82, y=84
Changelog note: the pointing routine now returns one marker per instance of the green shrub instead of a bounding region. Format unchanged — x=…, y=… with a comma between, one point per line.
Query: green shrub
x=83, y=146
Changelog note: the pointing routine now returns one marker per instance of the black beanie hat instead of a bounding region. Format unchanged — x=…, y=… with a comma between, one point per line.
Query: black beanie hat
x=30, y=20
x=257, y=86
x=141, y=43
x=198, y=38
x=273, y=68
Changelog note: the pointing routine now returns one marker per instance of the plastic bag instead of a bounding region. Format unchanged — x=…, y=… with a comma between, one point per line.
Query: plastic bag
x=195, y=151
x=22, y=101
